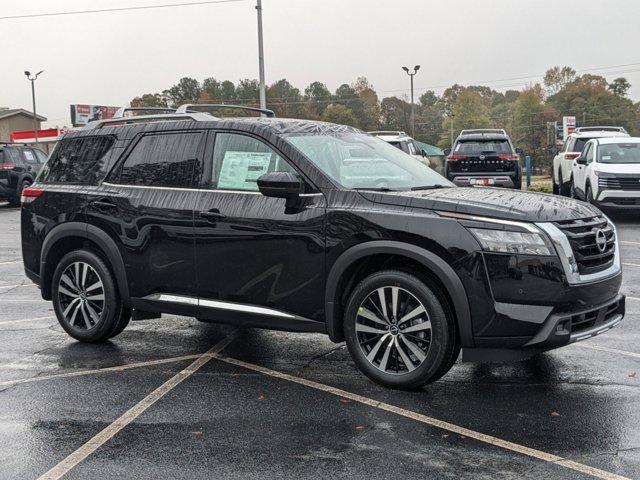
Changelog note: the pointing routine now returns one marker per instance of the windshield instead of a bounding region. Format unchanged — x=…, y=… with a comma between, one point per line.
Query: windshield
x=357, y=160
x=477, y=147
x=619, y=153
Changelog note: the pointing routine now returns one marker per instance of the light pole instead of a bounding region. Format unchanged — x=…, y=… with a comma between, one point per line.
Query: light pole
x=263, y=93
x=33, y=79
x=413, y=121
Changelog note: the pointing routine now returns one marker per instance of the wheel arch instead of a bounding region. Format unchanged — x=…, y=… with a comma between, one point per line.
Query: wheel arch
x=342, y=270
x=71, y=236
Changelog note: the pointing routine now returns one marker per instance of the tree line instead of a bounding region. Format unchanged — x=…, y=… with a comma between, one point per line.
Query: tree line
x=525, y=114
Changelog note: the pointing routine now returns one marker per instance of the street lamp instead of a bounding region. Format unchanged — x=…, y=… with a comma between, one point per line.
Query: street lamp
x=263, y=88
x=413, y=121
x=33, y=79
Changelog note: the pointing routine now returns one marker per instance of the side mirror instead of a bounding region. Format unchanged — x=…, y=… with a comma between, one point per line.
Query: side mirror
x=581, y=160
x=519, y=151
x=280, y=185
x=423, y=152
x=447, y=151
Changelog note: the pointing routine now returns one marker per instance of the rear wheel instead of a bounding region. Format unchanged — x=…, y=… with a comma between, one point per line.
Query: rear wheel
x=398, y=332
x=86, y=299
x=564, y=188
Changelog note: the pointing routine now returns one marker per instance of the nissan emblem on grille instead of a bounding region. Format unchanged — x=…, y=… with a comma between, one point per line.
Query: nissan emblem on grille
x=601, y=240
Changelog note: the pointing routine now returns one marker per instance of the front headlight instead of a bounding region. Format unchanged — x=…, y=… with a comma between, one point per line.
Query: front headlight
x=502, y=241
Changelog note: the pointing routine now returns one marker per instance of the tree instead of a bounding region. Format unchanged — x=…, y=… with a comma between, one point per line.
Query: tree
x=284, y=99
x=187, y=90
x=370, y=112
x=337, y=113
x=556, y=78
x=248, y=92
x=470, y=110
x=395, y=114
x=316, y=97
x=149, y=100
x=620, y=86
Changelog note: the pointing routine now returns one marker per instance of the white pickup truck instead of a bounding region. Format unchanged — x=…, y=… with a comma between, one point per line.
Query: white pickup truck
x=571, y=150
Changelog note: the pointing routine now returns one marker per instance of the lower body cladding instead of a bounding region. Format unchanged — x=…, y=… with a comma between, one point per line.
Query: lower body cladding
x=618, y=199
x=534, y=309
x=486, y=180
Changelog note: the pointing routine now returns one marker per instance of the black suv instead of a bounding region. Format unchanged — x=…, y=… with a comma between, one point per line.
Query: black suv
x=484, y=157
x=308, y=226
x=19, y=166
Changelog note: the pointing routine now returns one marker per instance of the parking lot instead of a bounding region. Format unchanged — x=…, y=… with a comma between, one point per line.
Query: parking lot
x=175, y=397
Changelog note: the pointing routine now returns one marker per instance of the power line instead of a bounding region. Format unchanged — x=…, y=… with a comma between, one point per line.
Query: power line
x=119, y=9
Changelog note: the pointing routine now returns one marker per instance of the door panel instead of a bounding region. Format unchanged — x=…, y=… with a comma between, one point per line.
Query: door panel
x=147, y=208
x=256, y=250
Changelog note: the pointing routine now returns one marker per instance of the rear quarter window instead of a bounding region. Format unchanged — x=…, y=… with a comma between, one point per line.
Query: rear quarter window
x=77, y=161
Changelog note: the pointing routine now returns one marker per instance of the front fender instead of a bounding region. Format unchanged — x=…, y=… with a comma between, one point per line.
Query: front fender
x=441, y=269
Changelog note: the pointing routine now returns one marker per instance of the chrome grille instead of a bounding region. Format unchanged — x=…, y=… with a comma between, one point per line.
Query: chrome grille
x=581, y=234
x=618, y=182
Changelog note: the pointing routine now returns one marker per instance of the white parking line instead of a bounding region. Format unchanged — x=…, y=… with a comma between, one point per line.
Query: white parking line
x=24, y=320
x=634, y=298
x=134, y=412
x=631, y=264
x=609, y=350
x=434, y=422
x=12, y=261
x=627, y=242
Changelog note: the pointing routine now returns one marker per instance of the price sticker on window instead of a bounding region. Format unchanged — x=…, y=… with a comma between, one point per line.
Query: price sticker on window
x=241, y=170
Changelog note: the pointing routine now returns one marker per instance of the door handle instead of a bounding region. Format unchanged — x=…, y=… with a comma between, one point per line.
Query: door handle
x=103, y=204
x=213, y=214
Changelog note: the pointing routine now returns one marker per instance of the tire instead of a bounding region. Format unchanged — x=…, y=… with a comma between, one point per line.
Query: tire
x=563, y=188
x=86, y=298
x=432, y=346
x=556, y=188
x=14, y=202
x=589, y=195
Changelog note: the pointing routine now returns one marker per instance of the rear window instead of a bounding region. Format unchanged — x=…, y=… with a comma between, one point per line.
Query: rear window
x=77, y=161
x=478, y=147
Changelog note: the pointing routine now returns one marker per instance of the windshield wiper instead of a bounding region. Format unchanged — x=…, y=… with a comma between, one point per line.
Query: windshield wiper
x=430, y=187
x=377, y=189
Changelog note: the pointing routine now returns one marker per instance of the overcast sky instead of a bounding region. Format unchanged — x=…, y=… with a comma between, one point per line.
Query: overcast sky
x=108, y=58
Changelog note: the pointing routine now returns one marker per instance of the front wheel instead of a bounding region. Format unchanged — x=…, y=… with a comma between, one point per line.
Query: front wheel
x=86, y=299
x=398, y=331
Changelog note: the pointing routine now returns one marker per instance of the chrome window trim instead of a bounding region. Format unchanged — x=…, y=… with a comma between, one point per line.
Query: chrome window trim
x=182, y=189
x=235, y=307
x=565, y=253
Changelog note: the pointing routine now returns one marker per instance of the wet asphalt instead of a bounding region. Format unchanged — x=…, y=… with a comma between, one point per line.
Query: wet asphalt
x=581, y=403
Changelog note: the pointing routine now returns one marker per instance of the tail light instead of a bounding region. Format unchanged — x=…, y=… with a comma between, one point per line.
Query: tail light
x=571, y=155
x=29, y=194
x=457, y=157
x=7, y=166
x=509, y=156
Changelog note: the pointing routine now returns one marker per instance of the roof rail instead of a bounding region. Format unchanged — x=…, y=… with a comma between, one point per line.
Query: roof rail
x=115, y=122
x=122, y=111
x=14, y=143
x=484, y=131
x=600, y=129
x=387, y=132
x=189, y=108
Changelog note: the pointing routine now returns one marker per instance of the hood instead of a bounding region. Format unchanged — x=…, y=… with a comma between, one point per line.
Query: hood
x=490, y=202
x=624, y=168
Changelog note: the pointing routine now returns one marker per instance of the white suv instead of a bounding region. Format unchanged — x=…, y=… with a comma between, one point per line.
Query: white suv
x=405, y=143
x=571, y=149
x=607, y=173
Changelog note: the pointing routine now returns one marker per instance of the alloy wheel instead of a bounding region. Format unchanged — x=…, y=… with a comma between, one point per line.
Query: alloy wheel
x=81, y=296
x=393, y=330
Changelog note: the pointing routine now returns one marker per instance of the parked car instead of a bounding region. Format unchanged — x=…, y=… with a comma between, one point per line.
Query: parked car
x=573, y=145
x=307, y=226
x=484, y=157
x=19, y=165
x=405, y=143
x=607, y=173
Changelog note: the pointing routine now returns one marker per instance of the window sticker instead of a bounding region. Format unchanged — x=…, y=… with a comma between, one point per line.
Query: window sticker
x=606, y=157
x=240, y=170
x=28, y=154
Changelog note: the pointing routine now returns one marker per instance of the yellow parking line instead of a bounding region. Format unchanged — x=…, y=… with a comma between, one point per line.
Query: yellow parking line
x=134, y=412
x=434, y=422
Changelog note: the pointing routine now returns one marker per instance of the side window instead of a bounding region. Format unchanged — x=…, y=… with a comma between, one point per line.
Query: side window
x=29, y=156
x=412, y=148
x=77, y=160
x=589, y=153
x=163, y=160
x=238, y=161
x=40, y=155
x=11, y=155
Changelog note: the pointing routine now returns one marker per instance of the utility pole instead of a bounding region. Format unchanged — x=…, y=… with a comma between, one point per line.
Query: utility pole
x=413, y=116
x=263, y=91
x=33, y=79
x=584, y=119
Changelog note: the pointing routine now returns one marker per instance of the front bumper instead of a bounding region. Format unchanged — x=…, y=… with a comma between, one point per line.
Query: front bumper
x=618, y=199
